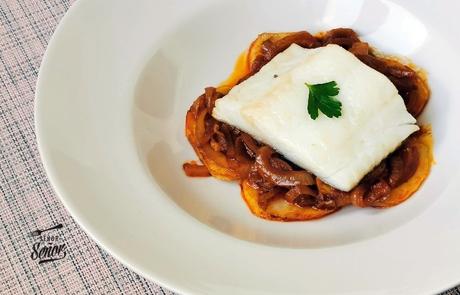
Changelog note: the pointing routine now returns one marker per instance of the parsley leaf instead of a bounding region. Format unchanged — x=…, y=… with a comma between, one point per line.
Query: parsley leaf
x=321, y=97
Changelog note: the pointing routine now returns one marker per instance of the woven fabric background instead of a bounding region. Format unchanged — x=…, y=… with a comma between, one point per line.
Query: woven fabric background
x=27, y=201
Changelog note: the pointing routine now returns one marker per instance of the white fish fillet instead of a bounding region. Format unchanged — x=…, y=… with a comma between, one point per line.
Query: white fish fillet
x=272, y=107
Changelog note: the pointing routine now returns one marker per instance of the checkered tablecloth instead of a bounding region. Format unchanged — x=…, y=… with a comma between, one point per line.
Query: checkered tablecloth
x=27, y=201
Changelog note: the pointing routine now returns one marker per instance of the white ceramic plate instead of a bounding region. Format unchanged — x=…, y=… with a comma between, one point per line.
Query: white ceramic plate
x=116, y=81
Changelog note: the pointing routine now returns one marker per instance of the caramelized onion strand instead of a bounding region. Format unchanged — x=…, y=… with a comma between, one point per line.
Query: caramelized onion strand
x=193, y=169
x=278, y=176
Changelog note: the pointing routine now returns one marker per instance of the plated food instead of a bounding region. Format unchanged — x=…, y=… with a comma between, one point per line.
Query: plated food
x=119, y=170
x=310, y=124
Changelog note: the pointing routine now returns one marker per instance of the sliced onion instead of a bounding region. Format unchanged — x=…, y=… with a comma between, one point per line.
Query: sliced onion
x=278, y=176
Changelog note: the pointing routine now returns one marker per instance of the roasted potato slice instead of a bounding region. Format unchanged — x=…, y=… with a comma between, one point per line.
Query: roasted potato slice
x=216, y=162
x=278, y=208
x=423, y=142
x=256, y=46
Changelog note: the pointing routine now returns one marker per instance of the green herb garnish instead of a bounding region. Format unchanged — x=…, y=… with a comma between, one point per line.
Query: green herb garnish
x=322, y=97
